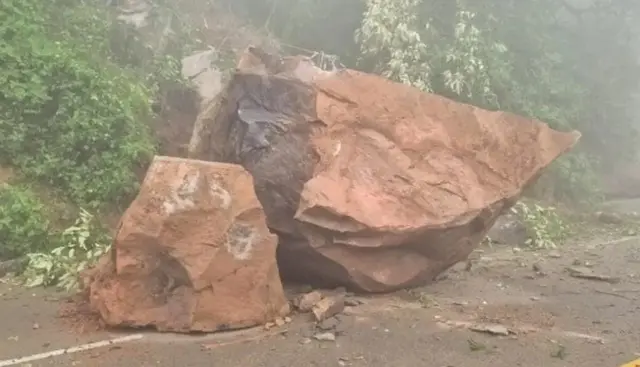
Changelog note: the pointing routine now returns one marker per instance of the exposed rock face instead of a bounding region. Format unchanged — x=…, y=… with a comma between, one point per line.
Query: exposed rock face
x=370, y=184
x=199, y=70
x=193, y=253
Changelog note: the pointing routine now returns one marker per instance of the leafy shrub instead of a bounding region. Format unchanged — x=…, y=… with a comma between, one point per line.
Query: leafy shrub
x=545, y=228
x=23, y=223
x=81, y=246
x=68, y=115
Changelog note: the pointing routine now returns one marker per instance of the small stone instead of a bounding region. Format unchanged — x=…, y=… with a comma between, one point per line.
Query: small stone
x=493, y=329
x=304, y=341
x=349, y=311
x=287, y=319
x=353, y=302
x=328, y=307
x=325, y=337
x=305, y=289
x=468, y=266
x=609, y=218
x=280, y=322
x=586, y=273
x=555, y=254
x=36, y=326
x=269, y=325
x=307, y=301
x=340, y=291
x=536, y=267
x=329, y=324
x=442, y=276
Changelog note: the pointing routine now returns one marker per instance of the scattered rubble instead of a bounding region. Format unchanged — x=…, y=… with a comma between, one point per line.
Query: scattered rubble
x=326, y=151
x=328, y=307
x=329, y=324
x=305, y=302
x=193, y=253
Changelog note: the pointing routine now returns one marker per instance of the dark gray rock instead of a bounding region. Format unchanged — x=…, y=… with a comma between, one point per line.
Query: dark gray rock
x=508, y=230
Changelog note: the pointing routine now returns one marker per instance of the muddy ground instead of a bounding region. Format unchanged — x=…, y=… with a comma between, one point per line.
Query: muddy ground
x=552, y=319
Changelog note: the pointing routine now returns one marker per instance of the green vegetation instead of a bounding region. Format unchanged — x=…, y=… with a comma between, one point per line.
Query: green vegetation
x=81, y=245
x=75, y=113
x=546, y=229
x=24, y=224
x=69, y=117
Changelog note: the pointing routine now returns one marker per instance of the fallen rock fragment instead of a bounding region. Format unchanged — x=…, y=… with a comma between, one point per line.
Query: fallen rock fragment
x=306, y=301
x=587, y=273
x=193, y=253
x=375, y=192
x=353, y=302
x=609, y=218
x=493, y=329
x=329, y=324
x=328, y=307
x=325, y=337
x=349, y=311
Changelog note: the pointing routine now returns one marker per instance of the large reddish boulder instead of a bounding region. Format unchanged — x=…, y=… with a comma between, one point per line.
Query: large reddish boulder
x=193, y=253
x=370, y=184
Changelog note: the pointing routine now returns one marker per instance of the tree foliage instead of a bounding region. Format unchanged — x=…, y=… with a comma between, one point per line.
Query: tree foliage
x=70, y=116
x=24, y=226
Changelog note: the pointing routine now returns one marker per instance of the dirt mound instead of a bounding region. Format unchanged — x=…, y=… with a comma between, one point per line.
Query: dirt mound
x=370, y=184
x=193, y=253
x=76, y=313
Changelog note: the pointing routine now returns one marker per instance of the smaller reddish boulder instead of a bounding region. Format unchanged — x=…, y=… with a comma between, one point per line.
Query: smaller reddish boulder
x=193, y=254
